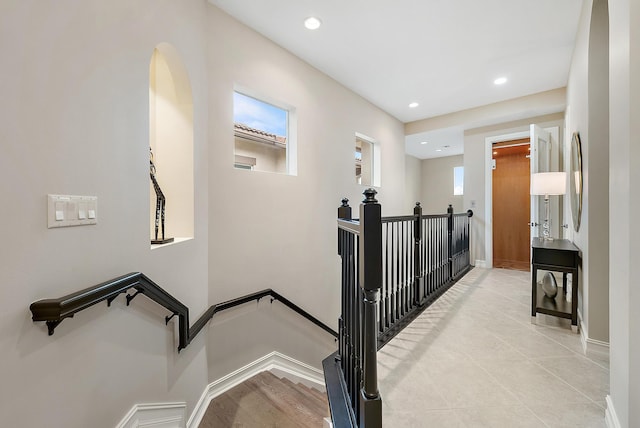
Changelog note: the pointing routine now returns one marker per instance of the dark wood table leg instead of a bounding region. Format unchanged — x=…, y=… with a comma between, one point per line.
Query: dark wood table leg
x=574, y=300
x=534, y=292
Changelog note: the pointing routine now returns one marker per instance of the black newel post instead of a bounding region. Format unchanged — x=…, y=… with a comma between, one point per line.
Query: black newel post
x=450, y=239
x=417, y=266
x=344, y=213
x=370, y=283
x=344, y=210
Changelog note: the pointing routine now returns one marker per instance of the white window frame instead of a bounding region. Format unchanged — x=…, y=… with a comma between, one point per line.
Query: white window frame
x=454, y=181
x=292, y=125
x=376, y=162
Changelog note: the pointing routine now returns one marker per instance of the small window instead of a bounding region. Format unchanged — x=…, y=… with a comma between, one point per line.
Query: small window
x=364, y=162
x=244, y=162
x=458, y=180
x=261, y=131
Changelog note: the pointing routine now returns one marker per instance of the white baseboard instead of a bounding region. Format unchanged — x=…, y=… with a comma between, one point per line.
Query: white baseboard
x=279, y=364
x=481, y=264
x=610, y=416
x=156, y=415
x=591, y=345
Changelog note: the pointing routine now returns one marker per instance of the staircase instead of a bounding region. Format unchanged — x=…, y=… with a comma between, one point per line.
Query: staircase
x=266, y=400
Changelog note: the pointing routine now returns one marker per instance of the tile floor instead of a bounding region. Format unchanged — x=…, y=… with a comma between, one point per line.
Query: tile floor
x=474, y=359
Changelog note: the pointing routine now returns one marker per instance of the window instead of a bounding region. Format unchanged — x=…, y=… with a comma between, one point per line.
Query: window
x=458, y=180
x=367, y=161
x=244, y=162
x=364, y=162
x=263, y=137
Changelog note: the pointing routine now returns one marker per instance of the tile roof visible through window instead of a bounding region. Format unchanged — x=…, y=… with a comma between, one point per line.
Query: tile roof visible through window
x=243, y=131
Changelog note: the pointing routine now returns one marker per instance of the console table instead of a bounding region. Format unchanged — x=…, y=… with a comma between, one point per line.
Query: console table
x=559, y=255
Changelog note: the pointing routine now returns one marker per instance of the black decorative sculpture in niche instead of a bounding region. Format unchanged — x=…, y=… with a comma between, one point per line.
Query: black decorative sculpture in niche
x=160, y=204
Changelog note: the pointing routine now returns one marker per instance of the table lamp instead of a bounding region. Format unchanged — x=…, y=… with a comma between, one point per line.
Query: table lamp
x=546, y=184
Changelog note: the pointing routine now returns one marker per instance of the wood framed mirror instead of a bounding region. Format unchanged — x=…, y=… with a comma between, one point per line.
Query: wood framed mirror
x=575, y=178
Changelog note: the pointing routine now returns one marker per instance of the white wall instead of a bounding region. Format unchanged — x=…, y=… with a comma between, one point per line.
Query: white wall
x=413, y=183
x=279, y=231
x=75, y=120
x=587, y=113
x=624, y=241
x=437, y=185
x=475, y=174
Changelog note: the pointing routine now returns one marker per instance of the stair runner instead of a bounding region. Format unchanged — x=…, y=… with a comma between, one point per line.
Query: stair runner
x=266, y=400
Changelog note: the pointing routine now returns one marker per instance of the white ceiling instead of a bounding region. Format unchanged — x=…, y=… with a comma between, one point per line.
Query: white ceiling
x=443, y=54
x=439, y=143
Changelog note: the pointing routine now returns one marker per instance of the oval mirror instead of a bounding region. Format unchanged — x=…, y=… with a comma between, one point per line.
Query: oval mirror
x=575, y=179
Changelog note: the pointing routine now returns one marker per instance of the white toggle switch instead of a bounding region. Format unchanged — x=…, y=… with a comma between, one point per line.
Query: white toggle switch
x=66, y=210
x=60, y=211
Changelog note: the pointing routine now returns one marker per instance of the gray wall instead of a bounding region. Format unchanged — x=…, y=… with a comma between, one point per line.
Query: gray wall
x=475, y=173
x=279, y=231
x=587, y=113
x=413, y=183
x=75, y=120
x=624, y=198
x=437, y=185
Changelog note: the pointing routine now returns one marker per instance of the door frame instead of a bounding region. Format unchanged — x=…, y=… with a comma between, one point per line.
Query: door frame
x=488, y=183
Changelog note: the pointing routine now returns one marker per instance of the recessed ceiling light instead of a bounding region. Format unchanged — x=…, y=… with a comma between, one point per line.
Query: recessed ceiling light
x=424, y=142
x=438, y=150
x=413, y=105
x=312, y=23
x=500, y=81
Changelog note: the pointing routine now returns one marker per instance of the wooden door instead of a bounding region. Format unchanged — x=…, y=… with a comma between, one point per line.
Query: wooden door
x=511, y=205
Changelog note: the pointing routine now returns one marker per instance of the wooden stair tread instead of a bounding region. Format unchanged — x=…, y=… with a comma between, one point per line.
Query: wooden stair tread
x=265, y=400
x=284, y=393
x=304, y=394
x=317, y=399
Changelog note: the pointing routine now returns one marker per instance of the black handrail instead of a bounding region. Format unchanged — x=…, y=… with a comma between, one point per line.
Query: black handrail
x=54, y=311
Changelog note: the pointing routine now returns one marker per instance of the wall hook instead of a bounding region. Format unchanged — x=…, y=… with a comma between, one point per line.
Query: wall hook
x=167, y=318
x=112, y=298
x=130, y=297
x=51, y=326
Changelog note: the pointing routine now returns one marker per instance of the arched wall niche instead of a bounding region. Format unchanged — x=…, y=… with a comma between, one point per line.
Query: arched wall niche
x=171, y=141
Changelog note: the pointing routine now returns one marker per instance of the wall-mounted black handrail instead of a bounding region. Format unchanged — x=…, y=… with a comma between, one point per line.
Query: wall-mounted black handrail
x=268, y=292
x=54, y=311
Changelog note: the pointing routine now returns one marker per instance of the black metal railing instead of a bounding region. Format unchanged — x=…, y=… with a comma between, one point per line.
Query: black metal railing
x=54, y=311
x=351, y=373
x=393, y=268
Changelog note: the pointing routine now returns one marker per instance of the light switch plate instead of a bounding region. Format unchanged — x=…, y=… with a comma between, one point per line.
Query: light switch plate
x=70, y=210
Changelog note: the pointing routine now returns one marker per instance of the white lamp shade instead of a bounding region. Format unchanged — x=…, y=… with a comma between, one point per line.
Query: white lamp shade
x=549, y=183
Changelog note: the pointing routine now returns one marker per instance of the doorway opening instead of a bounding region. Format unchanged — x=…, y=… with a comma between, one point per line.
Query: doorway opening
x=511, y=204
